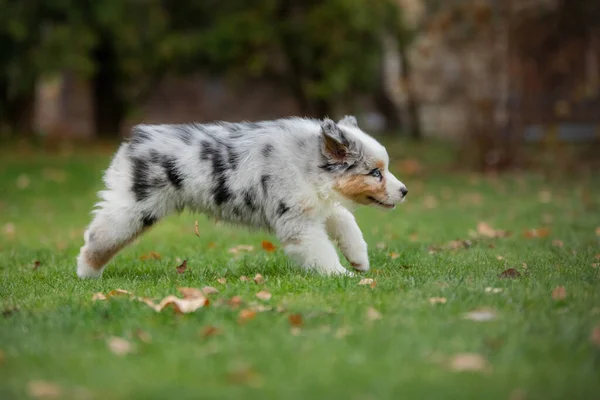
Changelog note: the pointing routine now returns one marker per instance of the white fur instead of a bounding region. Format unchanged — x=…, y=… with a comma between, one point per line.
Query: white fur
x=267, y=175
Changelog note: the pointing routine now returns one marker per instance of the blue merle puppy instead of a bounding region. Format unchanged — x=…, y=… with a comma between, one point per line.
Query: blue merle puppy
x=296, y=177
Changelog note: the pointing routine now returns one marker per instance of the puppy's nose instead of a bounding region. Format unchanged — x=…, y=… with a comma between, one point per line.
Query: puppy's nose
x=404, y=191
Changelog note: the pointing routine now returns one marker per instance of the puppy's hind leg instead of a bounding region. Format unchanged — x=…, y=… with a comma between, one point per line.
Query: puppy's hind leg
x=111, y=230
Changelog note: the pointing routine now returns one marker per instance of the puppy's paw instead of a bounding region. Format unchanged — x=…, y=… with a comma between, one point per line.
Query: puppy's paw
x=361, y=265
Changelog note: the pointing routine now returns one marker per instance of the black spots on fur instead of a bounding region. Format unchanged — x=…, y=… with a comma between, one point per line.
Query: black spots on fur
x=250, y=199
x=221, y=191
x=141, y=186
x=173, y=174
x=267, y=150
x=184, y=133
x=138, y=136
x=232, y=158
x=155, y=157
x=264, y=182
x=148, y=220
x=282, y=209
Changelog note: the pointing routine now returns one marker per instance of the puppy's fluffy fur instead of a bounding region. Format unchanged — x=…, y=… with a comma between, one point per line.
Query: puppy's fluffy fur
x=295, y=177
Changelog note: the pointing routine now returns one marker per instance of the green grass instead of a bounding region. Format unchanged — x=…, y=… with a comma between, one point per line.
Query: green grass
x=536, y=346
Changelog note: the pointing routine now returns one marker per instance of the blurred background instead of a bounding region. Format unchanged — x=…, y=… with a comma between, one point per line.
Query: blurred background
x=509, y=83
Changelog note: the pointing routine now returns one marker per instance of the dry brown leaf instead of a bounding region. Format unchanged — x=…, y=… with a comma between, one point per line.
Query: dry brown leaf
x=9, y=229
x=207, y=290
x=598, y=231
x=98, y=296
x=480, y=315
x=44, y=389
x=246, y=315
x=235, y=301
x=366, y=281
x=373, y=314
x=258, y=279
x=510, y=273
x=485, y=230
x=595, y=336
x=239, y=248
x=559, y=293
x=222, y=281
x=263, y=295
x=558, y=243
x=537, y=233
x=150, y=256
x=437, y=300
x=295, y=319
x=210, y=330
x=468, y=362
x=244, y=278
x=394, y=255
x=268, y=246
x=36, y=264
x=143, y=336
x=190, y=293
x=183, y=306
x=182, y=268
x=119, y=346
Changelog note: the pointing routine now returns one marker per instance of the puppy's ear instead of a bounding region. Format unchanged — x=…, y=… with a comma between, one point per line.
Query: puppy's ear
x=349, y=120
x=334, y=144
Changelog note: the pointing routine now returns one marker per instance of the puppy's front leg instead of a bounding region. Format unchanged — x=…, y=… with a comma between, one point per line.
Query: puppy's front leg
x=311, y=248
x=343, y=228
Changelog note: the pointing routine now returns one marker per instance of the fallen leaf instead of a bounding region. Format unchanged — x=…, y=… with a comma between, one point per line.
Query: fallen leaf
x=295, y=331
x=394, y=255
x=559, y=293
x=493, y=290
x=373, y=314
x=557, y=243
x=235, y=301
x=510, y=273
x=342, y=332
x=595, y=265
x=413, y=237
x=480, y=315
x=537, y=233
x=437, y=300
x=143, y=336
x=499, y=258
x=182, y=268
x=268, y=246
x=597, y=231
x=23, y=181
x=246, y=315
x=468, y=362
x=261, y=307
x=295, y=319
x=366, y=281
x=36, y=264
x=239, y=248
x=183, y=306
x=246, y=376
x=209, y=290
x=545, y=196
x=486, y=230
x=595, y=336
x=190, y=293
x=244, y=278
x=381, y=245
x=9, y=229
x=112, y=293
x=119, y=346
x=263, y=295
x=222, y=281
x=98, y=296
x=210, y=330
x=196, y=231
x=44, y=389
x=150, y=256
x=258, y=279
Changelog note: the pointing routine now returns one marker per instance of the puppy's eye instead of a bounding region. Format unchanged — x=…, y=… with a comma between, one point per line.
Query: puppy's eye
x=376, y=173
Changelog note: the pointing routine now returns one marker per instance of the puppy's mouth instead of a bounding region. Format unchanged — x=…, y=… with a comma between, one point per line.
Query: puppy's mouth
x=380, y=203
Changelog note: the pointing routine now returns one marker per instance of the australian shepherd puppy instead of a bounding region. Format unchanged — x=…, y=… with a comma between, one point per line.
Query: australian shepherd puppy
x=296, y=177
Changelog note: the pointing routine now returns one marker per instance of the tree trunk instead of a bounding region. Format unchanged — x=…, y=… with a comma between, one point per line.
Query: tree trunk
x=413, y=122
x=109, y=105
x=17, y=112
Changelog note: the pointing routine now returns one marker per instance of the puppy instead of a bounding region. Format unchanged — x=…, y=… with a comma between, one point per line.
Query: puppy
x=296, y=177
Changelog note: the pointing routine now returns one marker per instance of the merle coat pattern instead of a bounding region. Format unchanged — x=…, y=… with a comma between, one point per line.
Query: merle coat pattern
x=295, y=177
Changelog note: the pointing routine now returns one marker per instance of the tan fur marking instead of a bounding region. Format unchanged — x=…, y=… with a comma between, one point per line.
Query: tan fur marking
x=359, y=187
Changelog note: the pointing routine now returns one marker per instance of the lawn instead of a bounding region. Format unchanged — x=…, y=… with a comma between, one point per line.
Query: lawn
x=520, y=250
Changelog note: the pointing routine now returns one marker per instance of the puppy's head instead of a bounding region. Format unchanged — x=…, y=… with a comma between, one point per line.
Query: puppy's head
x=359, y=165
